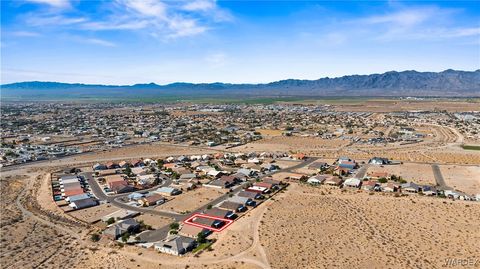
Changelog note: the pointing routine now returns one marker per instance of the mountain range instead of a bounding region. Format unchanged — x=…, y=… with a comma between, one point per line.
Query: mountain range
x=449, y=83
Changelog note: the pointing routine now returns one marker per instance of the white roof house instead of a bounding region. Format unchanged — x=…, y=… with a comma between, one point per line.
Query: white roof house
x=178, y=245
x=318, y=179
x=352, y=182
x=120, y=214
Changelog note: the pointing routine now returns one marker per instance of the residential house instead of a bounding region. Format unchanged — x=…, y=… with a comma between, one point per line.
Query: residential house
x=193, y=231
x=378, y=161
x=410, y=187
x=246, y=172
x=177, y=245
x=83, y=203
x=316, y=180
x=369, y=185
x=121, y=187
x=120, y=215
x=139, y=170
x=220, y=213
x=137, y=163
x=258, y=189
x=99, y=166
x=249, y=194
x=112, y=165
x=248, y=201
x=116, y=230
x=151, y=200
x=214, y=223
x=429, y=190
x=390, y=187
x=188, y=177
x=297, y=176
x=168, y=191
x=219, y=184
x=146, y=180
x=352, y=182
x=333, y=181
x=269, y=167
x=347, y=165
x=241, y=177
x=299, y=156
x=272, y=181
x=123, y=164
x=232, y=206
x=107, y=172
x=77, y=197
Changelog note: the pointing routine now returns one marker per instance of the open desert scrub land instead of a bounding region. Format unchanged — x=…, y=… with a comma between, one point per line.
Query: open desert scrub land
x=190, y=200
x=389, y=105
x=463, y=178
x=322, y=228
x=294, y=144
x=416, y=172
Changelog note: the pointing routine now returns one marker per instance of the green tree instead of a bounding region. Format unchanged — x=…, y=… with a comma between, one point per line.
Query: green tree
x=382, y=180
x=201, y=238
x=95, y=237
x=160, y=163
x=111, y=221
x=128, y=171
x=125, y=237
x=174, y=226
x=209, y=207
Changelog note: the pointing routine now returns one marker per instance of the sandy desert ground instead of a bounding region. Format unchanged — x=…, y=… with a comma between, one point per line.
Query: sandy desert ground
x=190, y=200
x=416, y=172
x=406, y=105
x=303, y=226
x=463, y=178
x=321, y=228
x=153, y=220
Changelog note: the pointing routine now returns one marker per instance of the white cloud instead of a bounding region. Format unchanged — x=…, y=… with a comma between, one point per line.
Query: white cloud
x=151, y=8
x=53, y=3
x=101, y=42
x=202, y=5
x=218, y=59
x=181, y=27
x=162, y=19
x=409, y=17
x=52, y=20
x=25, y=34
x=424, y=22
x=165, y=20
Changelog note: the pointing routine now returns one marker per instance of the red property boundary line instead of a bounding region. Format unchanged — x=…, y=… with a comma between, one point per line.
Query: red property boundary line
x=189, y=221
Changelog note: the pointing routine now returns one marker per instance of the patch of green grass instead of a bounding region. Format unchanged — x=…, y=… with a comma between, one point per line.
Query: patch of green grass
x=470, y=147
x=202, y=247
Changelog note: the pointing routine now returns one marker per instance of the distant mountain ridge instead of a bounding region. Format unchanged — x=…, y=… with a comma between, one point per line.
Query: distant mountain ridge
x=396, y=84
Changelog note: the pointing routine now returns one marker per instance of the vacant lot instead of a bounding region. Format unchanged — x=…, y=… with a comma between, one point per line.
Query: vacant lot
x=270, y=132
x=386, y=105
x=463, y=178
x=153, y=220
x=141, y=151
x=306, y=229
x=418, y=173
x=308, y=145
x=191, y=200
x=93, y=214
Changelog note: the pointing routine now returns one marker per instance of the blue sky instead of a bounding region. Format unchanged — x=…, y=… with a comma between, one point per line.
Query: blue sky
x=140, y=41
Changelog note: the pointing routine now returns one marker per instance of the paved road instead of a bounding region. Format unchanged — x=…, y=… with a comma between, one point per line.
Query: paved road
x=362, y=171
x=114, y=199
x=439, y=178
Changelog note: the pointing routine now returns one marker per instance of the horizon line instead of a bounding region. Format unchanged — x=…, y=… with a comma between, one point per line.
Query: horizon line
x=230, y=83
